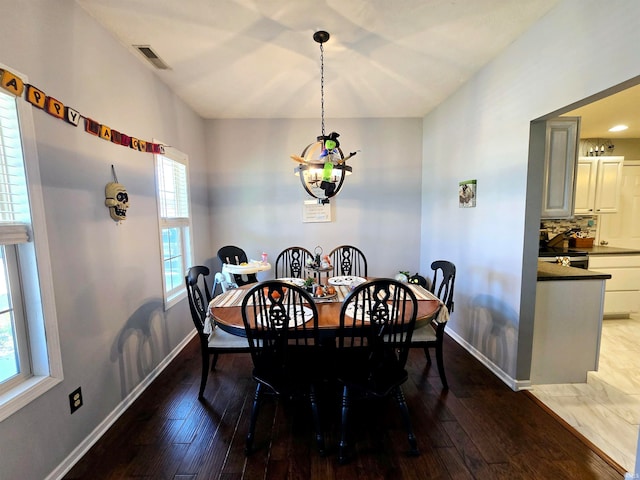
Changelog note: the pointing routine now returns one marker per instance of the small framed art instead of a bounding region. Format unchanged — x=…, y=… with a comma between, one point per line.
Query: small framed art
x=467, y=193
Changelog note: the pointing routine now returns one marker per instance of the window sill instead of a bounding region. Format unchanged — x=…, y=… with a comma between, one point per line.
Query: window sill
x=25, y=393
x=171, y=300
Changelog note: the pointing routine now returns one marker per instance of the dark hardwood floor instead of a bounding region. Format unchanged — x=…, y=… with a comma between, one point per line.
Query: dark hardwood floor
x=479, y=429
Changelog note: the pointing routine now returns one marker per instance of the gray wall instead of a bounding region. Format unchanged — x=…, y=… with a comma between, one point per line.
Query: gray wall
x=483, y=132
x=257, y=200
x=107, y=280
x=400, y=203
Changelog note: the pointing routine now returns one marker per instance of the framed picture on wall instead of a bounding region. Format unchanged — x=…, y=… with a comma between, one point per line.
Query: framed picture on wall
x=467, y=193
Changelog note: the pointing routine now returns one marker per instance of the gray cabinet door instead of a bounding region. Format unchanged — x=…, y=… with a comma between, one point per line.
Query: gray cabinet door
x=560, y=159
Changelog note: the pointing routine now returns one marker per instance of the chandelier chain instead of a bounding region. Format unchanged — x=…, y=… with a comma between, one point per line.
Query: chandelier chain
x=322, y=85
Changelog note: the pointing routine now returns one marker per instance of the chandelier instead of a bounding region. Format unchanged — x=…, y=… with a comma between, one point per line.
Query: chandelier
x=598, y=147
x=322, y=166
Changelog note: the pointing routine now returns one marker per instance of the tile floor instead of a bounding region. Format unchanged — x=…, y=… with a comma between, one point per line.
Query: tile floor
x=606, y=409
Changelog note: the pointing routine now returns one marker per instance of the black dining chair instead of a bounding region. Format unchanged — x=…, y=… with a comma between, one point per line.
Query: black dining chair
x=218, y=341
x=373, y=340
x=348, y=260
x=291, y=262
x=431, y=335
x=235, y=256
x=281, y=323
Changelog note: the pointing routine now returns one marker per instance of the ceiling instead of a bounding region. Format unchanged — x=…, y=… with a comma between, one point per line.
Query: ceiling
x=599, y=116
x=257, y=59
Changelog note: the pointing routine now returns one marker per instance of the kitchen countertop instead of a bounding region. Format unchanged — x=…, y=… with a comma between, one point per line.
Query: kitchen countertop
x=548, y=271
x=607, y=250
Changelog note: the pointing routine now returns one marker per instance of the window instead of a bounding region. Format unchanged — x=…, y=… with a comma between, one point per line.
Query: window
x=175, y=222
x=30, y=362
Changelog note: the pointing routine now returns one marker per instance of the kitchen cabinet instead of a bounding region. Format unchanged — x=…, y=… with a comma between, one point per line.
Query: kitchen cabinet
x=566, y=332
x=598, y=183
x=560, y=159
x=622, y=291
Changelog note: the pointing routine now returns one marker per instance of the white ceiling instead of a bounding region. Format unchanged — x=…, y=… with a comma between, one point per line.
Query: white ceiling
x=257, y=58
x=620, y=108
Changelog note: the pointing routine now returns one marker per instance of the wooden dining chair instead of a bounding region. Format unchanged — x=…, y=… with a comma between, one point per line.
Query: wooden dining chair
x=373, y=339
x=291, y=262
x=281, y=323
x=216, y=342
x=348, y=260
x=235, y=256
x=432, y=334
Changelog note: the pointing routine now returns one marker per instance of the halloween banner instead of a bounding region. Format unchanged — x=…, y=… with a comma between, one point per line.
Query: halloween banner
x=54, y=107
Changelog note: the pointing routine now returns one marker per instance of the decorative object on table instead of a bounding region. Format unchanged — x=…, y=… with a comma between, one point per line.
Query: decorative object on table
x=318, y=253
x=432, y=334
x=322, y=166
x=324, y=292
x=308, y=284
x=418, y=279
x=116, y=198
x=314, y=262
x=213, y=340
x=317, y=265
x=467, y=194
x=402, y=276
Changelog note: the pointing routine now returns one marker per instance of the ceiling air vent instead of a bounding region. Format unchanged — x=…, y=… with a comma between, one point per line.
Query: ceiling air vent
x=152, y=56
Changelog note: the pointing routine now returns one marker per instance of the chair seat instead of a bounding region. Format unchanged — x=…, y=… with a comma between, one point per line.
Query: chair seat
x=221, y=339
x=426, y=333
x=292, y=376
x=376, y=377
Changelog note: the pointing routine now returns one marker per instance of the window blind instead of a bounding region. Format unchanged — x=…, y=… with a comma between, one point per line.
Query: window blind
x=15, y=218
x=174, y=201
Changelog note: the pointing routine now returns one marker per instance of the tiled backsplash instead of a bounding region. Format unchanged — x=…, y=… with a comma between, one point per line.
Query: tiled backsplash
x=587, y=224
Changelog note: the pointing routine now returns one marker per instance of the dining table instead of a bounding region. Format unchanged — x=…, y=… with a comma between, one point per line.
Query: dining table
x=225, y=310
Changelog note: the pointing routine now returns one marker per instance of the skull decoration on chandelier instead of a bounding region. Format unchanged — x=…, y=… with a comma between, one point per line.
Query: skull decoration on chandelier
x=117, y=200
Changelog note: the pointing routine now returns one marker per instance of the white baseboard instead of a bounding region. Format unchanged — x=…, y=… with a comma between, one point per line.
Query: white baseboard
x=122, y=407
x=512, y=383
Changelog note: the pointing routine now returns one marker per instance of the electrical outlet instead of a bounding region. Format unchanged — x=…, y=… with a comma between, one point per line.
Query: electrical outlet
x=75, y=399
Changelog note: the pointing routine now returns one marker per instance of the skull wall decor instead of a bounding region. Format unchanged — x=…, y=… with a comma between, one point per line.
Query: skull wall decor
x=117, y=200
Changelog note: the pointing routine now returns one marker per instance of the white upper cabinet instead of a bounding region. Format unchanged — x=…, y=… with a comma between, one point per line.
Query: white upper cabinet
x=560, y=158
x=598, y=183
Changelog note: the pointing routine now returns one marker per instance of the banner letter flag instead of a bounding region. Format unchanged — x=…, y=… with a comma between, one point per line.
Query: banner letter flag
x=105, y=132
x=36, y=97
x=55, y=107
x=71, y=116
x=11, y=83
x=91, y=126
x=115, y=137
